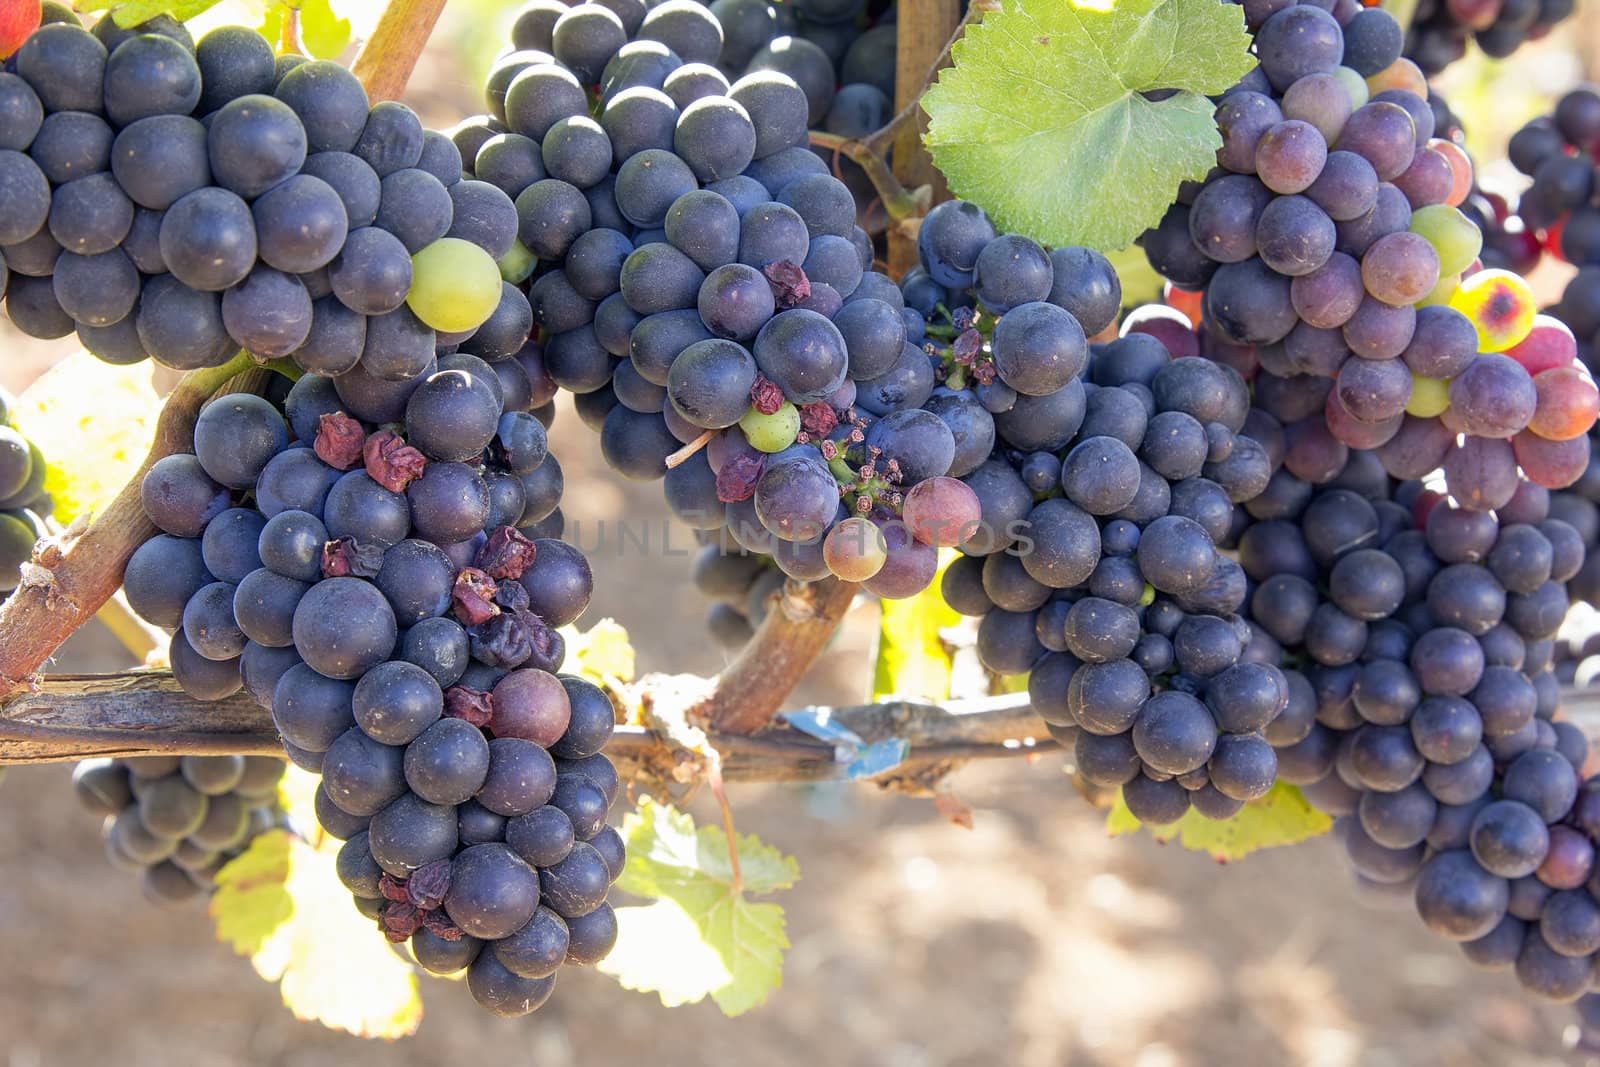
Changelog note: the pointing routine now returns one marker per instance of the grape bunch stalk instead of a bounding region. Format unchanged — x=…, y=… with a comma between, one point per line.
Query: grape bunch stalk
x=181, y=200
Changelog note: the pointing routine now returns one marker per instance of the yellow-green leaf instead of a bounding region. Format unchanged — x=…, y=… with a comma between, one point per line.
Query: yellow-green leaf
x=912, y=659
x=603, y=653
x=661, y=950
x=281, y=904
x=1043, y=121
x=1282, y=817
x=94, y=423
x=323, y=33
x=271, y=24
x=702, y=936
x=135, y=12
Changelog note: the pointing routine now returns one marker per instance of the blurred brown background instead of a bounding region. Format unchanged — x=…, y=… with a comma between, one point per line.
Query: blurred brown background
x=1032, y=939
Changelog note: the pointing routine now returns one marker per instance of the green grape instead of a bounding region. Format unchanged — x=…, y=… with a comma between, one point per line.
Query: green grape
x=1451, y=234
x=1354, y=84
x=516, y=266
x=771, y=433
x=1429, y=397
x=455, y=285
x=1441, y=294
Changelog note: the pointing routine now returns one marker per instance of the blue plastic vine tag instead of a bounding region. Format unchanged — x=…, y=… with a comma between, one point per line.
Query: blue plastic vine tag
x=864, y=760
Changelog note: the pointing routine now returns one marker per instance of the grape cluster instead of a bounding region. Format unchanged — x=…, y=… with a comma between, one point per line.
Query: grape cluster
x=1440, y=29
x=1329, y=243
x=355, y=564
x=1556, y=151
x=699, y=281
x=175, y=821
x=24, y=504
x=1368, y=639
x=1001, y=325
x=840, y=52
x=1111, y=589
x=183, y=200
x=1428, y=721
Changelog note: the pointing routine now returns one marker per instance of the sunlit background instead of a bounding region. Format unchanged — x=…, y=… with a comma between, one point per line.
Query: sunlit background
x=1030, y=940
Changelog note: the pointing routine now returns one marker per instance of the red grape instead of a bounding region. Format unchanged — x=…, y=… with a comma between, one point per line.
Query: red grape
x=1552, y=464
x=1568, y=403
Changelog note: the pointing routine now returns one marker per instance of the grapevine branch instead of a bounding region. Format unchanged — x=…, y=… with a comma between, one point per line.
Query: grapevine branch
x=387, y=58
x=144, y=713
x=752, y=688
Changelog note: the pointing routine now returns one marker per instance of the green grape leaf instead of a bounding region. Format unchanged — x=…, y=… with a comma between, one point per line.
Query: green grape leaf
x=660, y=949
x=701, y=935
x=93, y=423
x=1282, y=817
x=603, y=653
x=135, y=12
x=323, y=33
x=281, y=904
x=912, y=659
x=1042, y=121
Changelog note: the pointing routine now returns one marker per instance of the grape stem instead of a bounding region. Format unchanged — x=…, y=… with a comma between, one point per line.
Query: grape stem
x=143, y=713
x=73, y=574
x=871, y=153
x=898, y=201
x=681, y=456
x=720, y=791
x=388, y=57
x=752, y=689
x=289, y=34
